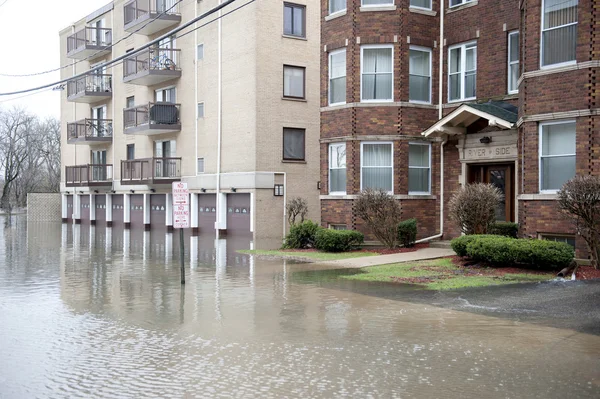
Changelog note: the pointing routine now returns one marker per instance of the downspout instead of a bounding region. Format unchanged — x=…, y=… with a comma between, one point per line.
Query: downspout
x=114, y=160
x=219, y=118
x=284, y=204
x=441, y=197
x=196, y=83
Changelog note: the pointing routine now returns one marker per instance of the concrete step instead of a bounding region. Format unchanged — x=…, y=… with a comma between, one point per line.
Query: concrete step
x=439, y=244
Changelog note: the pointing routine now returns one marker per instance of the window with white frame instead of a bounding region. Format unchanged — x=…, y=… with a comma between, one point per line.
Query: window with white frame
x=454, y=3
x=419, y=81
x=377, y=73
x=200, y=52
x=200, y=165
x=462, y=75
x=376, y=169
x=336, y=6
x=337, y=77
x=200, y=110
x=559, y=31
x=294, y=20
x=337, y=168
x=377, y=2
x=513, y=62
x=557, y=154
x=419, y=168
x=293, y=81
x=426, y=4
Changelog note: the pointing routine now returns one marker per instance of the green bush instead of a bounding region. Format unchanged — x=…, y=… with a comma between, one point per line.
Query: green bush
x=407, y=232
x=540, y=254
x=508, y=229
x=302, y=235
x=329, y=240
x=459, y=245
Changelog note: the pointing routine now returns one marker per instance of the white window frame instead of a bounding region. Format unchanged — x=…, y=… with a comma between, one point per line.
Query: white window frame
x=427, y=50
x=338, y=11
x=383, y=3
x=540, y=146
x=164, y=89
x=511, y=63
x=362, y=144
x=461, y=3
x=198, y=172
x=462, y=72
x=198, y=116
x=200, y=52
x=422, y=8
x=362, y=50
x=428, y=192
x=343, y=50
x=560, y=64
x=330, y=167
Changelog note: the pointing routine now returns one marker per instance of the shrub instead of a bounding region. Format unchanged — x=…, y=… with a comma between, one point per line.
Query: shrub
x=508, y=229
x=338, y=240
x=296, y=207
x=407, y=232
x=301, y=235
x=579, y=199
x=459, y=245
x=539, y=254
x=473, y=207
x=382, y=213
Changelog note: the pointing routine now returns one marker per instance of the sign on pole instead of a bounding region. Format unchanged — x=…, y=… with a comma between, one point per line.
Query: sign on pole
x=181, y=206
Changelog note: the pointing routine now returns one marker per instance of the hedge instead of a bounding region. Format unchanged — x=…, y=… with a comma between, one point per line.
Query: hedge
x=502, y=251
x=508, y=229
x=301, y=235
x=407, y=232
x=338, y=240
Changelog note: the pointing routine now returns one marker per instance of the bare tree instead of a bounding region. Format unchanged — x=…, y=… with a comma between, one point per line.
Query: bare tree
x=296, y=207
x=382, y=213
x=473, y=207
x=49, y=153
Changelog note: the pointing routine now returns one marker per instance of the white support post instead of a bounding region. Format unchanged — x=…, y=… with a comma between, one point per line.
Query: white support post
x=221, y=223
x=92, y=209
x=146, y=211
x=127, y=210
x=77, y=208
x=64, y=209
x=169, y=212
x=109, y=210
x=194, y=211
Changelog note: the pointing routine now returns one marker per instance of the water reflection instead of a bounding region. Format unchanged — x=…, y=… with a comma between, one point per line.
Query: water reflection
x=99, y=312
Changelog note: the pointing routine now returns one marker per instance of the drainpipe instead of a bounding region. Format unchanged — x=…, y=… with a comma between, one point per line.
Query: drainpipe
x=196, y=83
x=219, y=120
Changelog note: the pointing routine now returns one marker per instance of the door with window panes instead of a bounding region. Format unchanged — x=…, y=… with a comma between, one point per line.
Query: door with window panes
x=98, y=126
x=165, y=162
x=98, y=172
x=502, y=177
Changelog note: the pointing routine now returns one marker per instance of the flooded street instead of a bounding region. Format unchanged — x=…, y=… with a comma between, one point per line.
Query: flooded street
x=95, y=312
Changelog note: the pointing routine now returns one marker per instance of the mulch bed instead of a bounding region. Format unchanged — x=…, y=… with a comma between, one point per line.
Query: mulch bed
x=587, y=273
x=379, y=251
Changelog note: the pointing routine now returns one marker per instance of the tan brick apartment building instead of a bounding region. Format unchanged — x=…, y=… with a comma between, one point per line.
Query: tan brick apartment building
x=514, y=104
x=232, y=109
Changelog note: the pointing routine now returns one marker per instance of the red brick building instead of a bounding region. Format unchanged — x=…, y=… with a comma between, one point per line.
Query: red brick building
x=419, y=97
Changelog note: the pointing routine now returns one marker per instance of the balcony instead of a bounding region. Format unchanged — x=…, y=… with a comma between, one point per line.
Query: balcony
x=152, y=118
x=152, y=66
x=88, y=175
x=90, y=131
x=89, y=42
x=151, y=171
x=151, y=16
x=89, y=89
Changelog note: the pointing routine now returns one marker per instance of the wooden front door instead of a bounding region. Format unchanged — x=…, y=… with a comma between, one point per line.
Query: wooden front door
x=501, y=176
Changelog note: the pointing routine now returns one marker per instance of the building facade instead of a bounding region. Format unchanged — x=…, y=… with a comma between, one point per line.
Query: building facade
x=419, y=97
x=229, y=105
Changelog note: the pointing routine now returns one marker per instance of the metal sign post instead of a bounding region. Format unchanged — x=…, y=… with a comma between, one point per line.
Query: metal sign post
x=181, y=218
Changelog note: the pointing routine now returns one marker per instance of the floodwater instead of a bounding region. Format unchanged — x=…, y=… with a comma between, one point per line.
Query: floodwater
x=96, y=312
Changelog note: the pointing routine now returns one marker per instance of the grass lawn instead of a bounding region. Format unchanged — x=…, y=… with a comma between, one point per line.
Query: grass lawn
x=443, y=274
x=312, y=255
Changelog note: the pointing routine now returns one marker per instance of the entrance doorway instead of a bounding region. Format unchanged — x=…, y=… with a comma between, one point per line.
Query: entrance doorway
x=501, y=176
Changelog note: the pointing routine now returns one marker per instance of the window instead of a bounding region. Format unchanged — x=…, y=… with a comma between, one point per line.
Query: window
x=200, y=110
x=337, y=77
x=336, y=6
x=278, y=190
x=200, y=52
x=513, y=62
x=294, y=20
x=426, y=4
x=376, y=166
x=338, y=227
x=130, y=152
x=419, y=168
x=557, y=154
x=293, y=144
x=167, y=95
x=337, y=168
x=200, y=165
x=376, y=72
x=419, y=81
x=130, y=102
x=462, y=76
x=454, y=3
x=559, y=31
x=567, y=239
x=377, y=2
x=293, y=81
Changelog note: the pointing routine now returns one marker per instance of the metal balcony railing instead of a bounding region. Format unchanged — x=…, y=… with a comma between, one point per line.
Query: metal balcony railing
x=89, y=36
x=88, y=175
x=90, y=129
x=136, y=9
x=90, y=84
x=151, y=114
x=152, y=59
x=150, y=170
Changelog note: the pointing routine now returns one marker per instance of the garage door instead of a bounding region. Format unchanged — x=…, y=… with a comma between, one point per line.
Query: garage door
x=117, y=209
x=69, y=208
x=158, y=207
x=101, y=208
x=137, y=210
x=85, y=208
x=207, y=212
x=238, y=213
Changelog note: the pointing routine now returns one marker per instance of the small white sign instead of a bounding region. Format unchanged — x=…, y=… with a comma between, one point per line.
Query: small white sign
x=181, y=216
x=181, y=194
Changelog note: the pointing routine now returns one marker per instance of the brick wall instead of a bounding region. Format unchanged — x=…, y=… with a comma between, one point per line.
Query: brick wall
x=44, y=207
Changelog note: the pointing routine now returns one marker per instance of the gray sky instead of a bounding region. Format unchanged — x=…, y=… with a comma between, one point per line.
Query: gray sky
x=31, y=44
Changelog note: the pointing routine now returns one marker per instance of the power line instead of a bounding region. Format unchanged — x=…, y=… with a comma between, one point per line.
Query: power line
x=110, y=46
x=131, y=53
x=5, y=1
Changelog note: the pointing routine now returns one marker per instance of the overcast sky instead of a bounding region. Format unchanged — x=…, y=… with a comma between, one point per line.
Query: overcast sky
x=29, y=29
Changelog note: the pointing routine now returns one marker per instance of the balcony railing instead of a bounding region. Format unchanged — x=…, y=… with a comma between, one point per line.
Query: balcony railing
x=89, y=38
x=152, y=66
x=88, y=175
x=89, y=88
x=150, y=171
x=90, y=130
x=138, y=11
x=159, y=117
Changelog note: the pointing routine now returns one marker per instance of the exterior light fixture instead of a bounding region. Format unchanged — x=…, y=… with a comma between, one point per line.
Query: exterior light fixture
x=131, y=191
x=113, y=191
x=152, y=190
x=278, y=190
x=233, y=189
x=96, y=191
x=318, y=185
x=81, y=192
x=203, y=190
x=485, y=140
